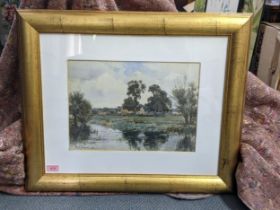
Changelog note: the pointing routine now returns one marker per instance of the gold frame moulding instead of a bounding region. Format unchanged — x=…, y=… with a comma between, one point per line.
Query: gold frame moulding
x=33, y=22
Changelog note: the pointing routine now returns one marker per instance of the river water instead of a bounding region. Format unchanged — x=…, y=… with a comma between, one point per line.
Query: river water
x=104, y=138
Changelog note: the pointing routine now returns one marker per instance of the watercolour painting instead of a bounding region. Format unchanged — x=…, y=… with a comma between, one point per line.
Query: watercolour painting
x=133, y=106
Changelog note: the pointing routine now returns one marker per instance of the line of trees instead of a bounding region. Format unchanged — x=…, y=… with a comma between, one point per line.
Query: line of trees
x=184, y=94
x=158, y=102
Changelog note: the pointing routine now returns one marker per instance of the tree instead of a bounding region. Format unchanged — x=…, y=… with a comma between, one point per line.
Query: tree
x=186, y=97
x=134, y=90
x=158, y=102
x=130, y=104
x=193, y=102
x=80, y=112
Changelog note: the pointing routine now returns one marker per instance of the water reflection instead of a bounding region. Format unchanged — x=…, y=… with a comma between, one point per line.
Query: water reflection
x=150, y=140
x=104, y=138
x=132, y=138
x=153, y=140
x=187, y=143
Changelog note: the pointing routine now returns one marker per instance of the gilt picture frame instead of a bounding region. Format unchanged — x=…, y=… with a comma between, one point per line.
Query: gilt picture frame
x=132, y=101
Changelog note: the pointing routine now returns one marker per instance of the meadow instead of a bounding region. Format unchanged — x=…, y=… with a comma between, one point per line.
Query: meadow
x=160, y=123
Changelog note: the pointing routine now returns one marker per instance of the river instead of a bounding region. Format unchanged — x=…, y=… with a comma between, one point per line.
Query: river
x=104, y=138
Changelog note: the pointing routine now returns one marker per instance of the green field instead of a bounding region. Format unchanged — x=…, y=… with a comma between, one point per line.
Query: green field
x=164, y=123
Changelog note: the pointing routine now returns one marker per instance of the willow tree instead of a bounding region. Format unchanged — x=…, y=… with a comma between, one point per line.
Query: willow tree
x=186, y=97
x=80, y=112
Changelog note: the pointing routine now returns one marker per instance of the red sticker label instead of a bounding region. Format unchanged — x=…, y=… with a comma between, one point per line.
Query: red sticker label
x=52, y=168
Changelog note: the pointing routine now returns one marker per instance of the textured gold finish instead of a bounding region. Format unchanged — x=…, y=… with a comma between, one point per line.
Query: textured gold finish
x=33, y=22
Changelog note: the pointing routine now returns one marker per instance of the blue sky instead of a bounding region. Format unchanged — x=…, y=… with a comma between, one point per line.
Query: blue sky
x=104, y=83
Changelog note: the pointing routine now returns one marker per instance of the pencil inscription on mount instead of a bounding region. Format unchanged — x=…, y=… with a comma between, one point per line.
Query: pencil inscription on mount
x=132, y=106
